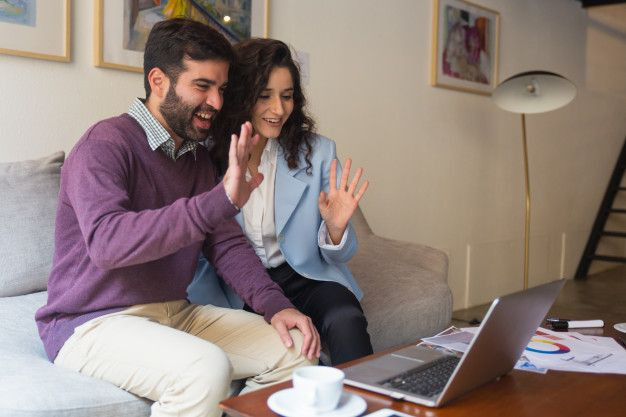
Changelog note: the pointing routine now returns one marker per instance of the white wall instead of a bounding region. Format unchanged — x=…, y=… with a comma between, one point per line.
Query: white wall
x=445, y=166
x=46, y=106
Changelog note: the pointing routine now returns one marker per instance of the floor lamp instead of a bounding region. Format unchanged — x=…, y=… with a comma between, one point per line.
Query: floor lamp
x=532, y=92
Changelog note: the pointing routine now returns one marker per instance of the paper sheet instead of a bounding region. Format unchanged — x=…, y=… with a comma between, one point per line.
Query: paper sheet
x=571, y=351
x=547, y=349
x=458, y=340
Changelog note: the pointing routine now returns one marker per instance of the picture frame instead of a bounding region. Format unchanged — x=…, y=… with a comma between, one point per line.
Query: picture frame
x=36, y=29
x=121, y=26
x=465, y=46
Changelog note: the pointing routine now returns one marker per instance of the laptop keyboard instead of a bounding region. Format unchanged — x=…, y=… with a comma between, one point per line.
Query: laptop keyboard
x=427, y=380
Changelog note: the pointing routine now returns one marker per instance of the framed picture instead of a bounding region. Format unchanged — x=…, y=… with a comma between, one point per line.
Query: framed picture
x=35, y=29
x=122, y=26
x=465, y=46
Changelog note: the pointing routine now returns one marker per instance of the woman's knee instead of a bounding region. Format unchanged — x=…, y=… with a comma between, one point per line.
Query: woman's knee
x=344, y=317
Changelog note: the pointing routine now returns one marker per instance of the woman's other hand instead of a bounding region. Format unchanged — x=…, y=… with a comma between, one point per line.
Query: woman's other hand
x=339, y=204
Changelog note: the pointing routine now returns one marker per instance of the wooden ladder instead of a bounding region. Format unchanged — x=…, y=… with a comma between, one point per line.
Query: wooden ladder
x=606, y=208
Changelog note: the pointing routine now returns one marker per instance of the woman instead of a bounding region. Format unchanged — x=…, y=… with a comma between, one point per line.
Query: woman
x=297, y=220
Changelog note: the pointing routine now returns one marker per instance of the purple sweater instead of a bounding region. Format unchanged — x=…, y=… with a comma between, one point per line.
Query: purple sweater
x=130, y=225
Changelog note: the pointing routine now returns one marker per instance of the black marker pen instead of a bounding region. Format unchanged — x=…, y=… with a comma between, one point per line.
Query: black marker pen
x=563, y=324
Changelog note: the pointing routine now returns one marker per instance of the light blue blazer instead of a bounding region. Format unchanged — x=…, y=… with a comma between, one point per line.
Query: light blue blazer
x=298, y=221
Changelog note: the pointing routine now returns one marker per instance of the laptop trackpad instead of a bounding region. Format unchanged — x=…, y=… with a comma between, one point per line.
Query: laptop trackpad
x=381, y=368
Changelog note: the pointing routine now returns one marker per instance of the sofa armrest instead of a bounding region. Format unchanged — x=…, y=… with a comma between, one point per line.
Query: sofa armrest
x=406, y=295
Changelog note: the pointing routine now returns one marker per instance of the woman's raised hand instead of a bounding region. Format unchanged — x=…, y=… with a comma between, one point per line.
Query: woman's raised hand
x=339, y=204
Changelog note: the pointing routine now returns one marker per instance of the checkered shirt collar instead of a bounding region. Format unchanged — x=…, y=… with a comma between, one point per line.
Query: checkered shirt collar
x=157, y=136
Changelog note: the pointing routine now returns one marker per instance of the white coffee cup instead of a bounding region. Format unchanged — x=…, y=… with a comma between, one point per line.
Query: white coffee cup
x=318, y=388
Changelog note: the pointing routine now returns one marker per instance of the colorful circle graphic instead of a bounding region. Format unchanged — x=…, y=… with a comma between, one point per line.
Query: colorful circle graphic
x=561, y=348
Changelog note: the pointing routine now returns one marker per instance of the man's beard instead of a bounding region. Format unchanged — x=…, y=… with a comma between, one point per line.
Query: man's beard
x=179, y=116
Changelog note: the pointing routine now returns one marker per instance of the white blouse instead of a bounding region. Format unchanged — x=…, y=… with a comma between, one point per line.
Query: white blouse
x=258, y=214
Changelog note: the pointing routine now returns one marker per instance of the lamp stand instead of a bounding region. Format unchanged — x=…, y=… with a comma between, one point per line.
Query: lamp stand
x=527, y=219
x=526, y=93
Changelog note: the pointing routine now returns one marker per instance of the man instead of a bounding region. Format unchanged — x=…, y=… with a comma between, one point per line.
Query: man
x=137, y=201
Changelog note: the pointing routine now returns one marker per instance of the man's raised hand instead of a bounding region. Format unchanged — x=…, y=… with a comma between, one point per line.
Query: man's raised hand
x=235, y=184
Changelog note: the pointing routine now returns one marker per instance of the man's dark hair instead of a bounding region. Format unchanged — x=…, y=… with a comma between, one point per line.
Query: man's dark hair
x=173, y=40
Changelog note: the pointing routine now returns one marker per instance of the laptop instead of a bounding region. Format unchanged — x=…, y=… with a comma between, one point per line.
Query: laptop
x=431, y=377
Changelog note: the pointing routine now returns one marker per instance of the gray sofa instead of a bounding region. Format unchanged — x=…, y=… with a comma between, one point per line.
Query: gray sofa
x=406, y=297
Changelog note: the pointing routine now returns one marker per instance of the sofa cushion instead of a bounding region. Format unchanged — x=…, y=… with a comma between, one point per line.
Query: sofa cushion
x=406, y=294
x=30, y=385
x=29, y=191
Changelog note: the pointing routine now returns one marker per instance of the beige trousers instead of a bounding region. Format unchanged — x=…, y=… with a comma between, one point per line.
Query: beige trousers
x=181, y=356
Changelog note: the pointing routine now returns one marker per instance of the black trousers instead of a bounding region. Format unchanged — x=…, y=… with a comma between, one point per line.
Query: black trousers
x=335, y=311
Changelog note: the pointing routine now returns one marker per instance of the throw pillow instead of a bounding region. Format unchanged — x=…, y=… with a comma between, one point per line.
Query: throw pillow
x=29, y=191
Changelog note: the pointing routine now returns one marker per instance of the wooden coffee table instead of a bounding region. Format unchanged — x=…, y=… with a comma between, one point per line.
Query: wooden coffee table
x=517, y=394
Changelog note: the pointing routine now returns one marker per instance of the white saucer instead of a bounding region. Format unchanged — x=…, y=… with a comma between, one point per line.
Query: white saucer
x=621, y=327
x=281, y=402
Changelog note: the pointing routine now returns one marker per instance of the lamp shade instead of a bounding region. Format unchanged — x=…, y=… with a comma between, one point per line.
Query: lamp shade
x=534, y=92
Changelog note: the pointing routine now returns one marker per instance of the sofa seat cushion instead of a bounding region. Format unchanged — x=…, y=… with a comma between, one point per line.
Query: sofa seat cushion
x=32, y=386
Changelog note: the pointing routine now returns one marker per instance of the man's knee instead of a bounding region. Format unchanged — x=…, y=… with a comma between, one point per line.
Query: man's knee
x=213, y=361
x=208, y=372
x=293, y=356
x=296, y=349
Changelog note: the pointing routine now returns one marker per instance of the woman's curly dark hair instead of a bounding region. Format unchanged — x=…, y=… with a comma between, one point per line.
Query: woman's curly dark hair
x=248, y=76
